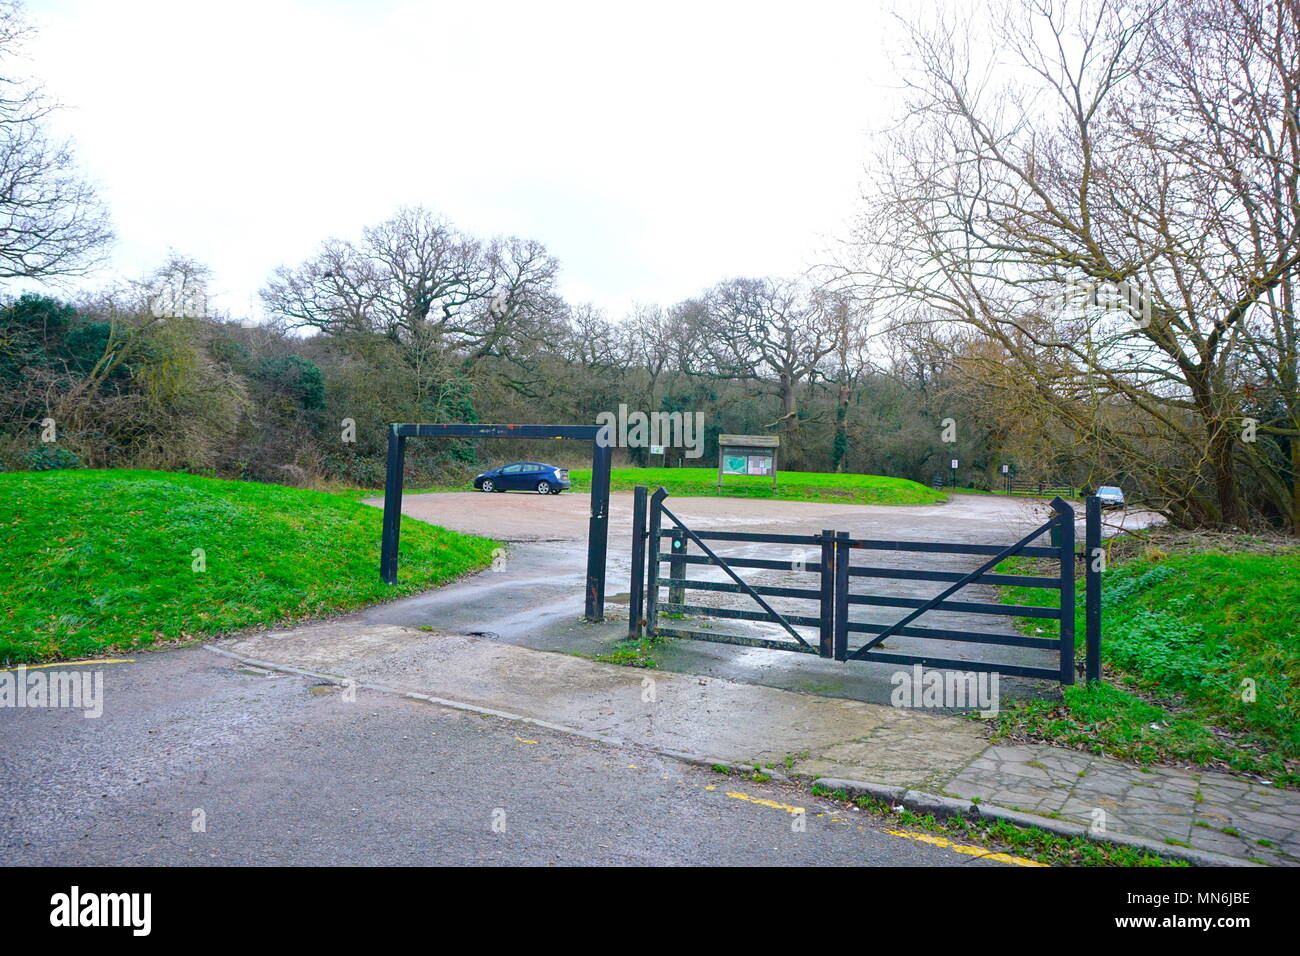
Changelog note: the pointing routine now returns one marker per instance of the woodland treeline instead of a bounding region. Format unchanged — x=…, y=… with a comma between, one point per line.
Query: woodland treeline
x=1078, y=260
x=307, y=398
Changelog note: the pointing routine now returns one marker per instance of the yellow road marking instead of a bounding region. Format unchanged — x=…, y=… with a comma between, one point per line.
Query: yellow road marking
x=964, y=848
x=766, y=803
x=36, y=667
x=523, y=741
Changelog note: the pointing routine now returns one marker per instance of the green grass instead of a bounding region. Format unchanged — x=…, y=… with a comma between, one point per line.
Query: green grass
x=102, y=561
x=703, y=483
x=790, y=486
x=360, y=494
x=1032, y=843
x=1185, y=633
x=632, y=653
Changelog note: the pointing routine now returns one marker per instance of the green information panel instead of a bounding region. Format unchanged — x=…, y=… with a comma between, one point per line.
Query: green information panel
x=750, y=455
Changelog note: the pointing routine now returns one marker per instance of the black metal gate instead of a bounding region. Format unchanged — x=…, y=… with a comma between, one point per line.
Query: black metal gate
x=597, y=528
x=830, y=593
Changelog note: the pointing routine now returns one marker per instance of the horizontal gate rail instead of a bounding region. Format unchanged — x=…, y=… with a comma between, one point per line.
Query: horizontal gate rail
x=972, y=607
x=737, y=614
x=938, y=547
x=765, y=563
x=969, y=637
x=912, y=574
x=1012, y=670
x=721, y=637
x=809, y=539
x=765, y=589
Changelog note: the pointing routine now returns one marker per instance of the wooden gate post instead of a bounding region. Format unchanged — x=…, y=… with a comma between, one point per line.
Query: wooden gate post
x=842, y=596
x=392, y=528
x=636, y=587
x=598, y=530
x=1093, y=556
x=652, y=566
x=677, y=567
x=1065, y=544
x=826, y=644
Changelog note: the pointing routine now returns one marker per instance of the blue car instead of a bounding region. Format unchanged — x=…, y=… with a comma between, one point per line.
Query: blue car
x=524, y=476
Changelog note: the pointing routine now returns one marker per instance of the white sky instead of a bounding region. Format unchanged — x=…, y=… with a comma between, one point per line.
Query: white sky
x=655, y=150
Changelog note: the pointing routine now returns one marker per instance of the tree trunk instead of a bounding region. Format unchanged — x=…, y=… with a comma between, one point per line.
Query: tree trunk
x=790, y=418
x=1295, y=486
x=840, y=444
x=1225, y=478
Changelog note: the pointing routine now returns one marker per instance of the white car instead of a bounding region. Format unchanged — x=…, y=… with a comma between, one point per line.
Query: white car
x=1111, y=497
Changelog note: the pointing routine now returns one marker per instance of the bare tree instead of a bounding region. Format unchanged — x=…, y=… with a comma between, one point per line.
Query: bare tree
x=1144, y=152
x=846, y=363
x=51, y=222
x=446, y=299
x=771, y=333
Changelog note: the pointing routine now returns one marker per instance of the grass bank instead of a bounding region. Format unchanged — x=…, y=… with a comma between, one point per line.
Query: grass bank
x=109, y=561
x=1201, y=655
x=703, y=483
x=790, y=486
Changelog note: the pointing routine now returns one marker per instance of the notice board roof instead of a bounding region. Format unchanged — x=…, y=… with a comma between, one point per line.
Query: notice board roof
x=750, y=441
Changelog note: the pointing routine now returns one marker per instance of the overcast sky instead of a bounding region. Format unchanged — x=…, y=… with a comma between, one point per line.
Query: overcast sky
x=654, y=149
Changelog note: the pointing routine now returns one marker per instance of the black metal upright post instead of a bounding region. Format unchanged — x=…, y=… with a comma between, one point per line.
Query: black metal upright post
x=677, y=567
x=842, y=596
x=392, y=505
x=1092, y=588
x=826, y=642
x=652, y=567
x=598, y=529
x=1065, y=544
x=636, y=587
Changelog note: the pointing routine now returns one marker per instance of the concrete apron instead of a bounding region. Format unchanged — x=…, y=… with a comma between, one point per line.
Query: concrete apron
x=907, y=755
x=741, y=723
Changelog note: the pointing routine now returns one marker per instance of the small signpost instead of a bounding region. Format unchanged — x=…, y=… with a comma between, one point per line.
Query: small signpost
x=747, y=455
x=955, y=463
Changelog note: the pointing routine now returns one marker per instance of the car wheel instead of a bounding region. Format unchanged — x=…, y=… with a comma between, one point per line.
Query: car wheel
x=488, y=485
x=543, y=487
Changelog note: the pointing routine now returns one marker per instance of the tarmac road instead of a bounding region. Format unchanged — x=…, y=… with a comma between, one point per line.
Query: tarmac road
x=286, y=773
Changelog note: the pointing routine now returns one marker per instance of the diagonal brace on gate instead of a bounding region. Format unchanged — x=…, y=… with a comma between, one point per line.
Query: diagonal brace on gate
x=735, y=577
x=1063, y=512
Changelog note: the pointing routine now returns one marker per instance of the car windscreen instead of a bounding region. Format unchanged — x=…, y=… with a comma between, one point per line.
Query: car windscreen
x=1109, y=490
